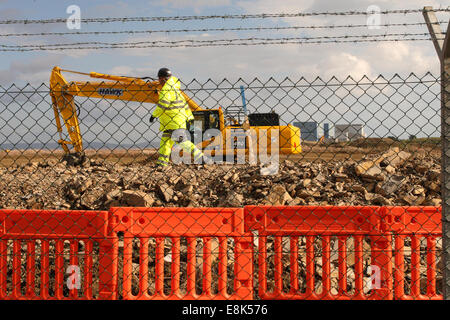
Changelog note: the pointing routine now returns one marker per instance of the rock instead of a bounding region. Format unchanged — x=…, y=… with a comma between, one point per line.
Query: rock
x=289, y=164
x=392, y=184
x=165, y=191
x=368, y=169
x=115, y=194
x=369, y=196
x=412, y=200
x=92, y=199
x=363, y=167
x=422, y=168
x=418, y=189
x=305, y=182
x=320, y=178
x=99, y=169
x=433, y=186
x=436, y=202
x=233, y=199
x=308, y=193
x=297, y=202
x=278, y=196
x=137, y=198
x=52, y=162
x=434, y=175
x=358, y=188
x=396, y=159
x=339, y=186
x=85, y=185
x=382, y=201
x=340, y=177
x=389, y=169
x=112, y=203
x=187, y=190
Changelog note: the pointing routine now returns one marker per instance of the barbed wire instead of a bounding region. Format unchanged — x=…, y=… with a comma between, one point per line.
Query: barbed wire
x=191, y=45
x=207, y=17
x=213, y=29
x=194, y=41
x=296, y=85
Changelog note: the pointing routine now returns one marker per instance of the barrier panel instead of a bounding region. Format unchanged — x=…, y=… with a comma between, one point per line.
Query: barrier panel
x=51, y=254
x=417, y=231
x=304, y=234
x=189, y=246
x=255, y=252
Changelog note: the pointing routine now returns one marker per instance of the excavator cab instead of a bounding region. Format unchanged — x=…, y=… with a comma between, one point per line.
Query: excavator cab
x=203, y=120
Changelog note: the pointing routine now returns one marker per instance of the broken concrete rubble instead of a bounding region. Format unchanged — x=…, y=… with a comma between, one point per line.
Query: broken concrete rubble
x=377, y=180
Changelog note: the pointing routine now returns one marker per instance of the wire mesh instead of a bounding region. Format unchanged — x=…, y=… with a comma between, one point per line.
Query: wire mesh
x=343, y=143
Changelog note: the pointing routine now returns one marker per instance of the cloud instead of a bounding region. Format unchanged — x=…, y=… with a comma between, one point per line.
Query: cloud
x=124, y=70
x=279, y=61
x=345, y=63
x=35, y=71
x=194, y=3
x=270, y=6
x=119, y=8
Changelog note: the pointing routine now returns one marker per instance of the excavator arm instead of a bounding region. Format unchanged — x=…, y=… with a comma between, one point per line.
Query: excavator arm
x=120, y=88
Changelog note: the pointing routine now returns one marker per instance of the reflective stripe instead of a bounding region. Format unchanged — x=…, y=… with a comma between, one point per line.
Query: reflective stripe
x=163, y=160
x=161, y=164
x=171, y=108
x=171, y=102
x=163, y=156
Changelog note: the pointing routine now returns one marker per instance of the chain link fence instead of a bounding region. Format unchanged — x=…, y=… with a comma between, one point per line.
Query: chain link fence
x=315, y=188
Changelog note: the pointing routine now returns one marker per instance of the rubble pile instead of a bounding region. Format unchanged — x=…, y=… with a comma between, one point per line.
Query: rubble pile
x=392, y=178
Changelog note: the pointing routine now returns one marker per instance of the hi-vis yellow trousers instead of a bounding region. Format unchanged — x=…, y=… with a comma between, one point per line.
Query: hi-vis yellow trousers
x=166, y=144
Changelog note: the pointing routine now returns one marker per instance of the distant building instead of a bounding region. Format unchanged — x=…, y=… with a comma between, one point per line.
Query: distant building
x=311, y=130
x=308, y=130
x=346, y=132
x=326, y=130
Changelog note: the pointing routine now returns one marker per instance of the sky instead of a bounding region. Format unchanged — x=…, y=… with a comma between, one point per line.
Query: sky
x=232, y=63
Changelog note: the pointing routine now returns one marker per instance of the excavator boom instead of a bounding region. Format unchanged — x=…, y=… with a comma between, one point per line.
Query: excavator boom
x=137, y=89
x=120, y=88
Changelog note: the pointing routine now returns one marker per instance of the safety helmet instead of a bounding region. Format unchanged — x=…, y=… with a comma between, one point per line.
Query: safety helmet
x=164, y=73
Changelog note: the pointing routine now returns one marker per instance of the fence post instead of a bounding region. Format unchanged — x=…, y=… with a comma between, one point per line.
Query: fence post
x=445, y=134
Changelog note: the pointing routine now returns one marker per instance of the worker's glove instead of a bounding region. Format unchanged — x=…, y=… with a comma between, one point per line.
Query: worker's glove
x=152, y=118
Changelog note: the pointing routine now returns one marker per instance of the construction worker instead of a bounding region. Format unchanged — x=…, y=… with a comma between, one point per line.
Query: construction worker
x=173, y=113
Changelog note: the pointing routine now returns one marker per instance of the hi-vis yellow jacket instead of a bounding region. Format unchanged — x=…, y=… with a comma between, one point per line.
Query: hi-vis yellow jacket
x=172, y=110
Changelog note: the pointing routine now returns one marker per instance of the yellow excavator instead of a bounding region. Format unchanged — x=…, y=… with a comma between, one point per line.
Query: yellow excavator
x=138, y=89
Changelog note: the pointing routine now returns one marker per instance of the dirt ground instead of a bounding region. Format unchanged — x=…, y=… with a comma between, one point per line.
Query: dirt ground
x=355, y=150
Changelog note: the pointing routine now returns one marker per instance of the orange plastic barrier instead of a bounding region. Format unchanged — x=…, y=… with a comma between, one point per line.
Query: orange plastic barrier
x=41, y=253
x=303, y=252
x=164, y=226
x=422, y=228
x=328, y=222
